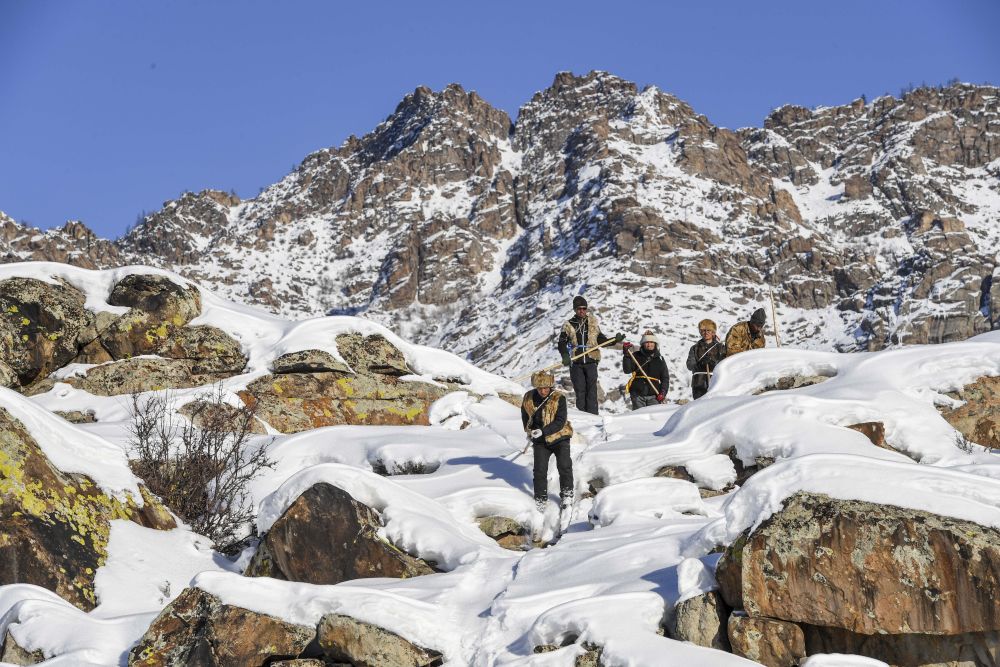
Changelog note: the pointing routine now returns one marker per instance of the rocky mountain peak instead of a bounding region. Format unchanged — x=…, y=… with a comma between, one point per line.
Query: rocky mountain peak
x=874, y=223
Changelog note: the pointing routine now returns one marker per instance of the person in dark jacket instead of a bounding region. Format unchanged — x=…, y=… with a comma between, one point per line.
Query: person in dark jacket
x=703, y=358
x=543, y=415
x=581, y=333
x=650, y=380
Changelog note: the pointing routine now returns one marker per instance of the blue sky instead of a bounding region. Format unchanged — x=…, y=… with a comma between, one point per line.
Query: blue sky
x=109, y=108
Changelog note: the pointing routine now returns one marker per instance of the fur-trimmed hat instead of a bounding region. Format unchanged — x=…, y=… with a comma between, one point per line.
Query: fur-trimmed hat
x=707, y=324
x=542, y=379
x=758, y=318
x=649, y=337
x=579, y=302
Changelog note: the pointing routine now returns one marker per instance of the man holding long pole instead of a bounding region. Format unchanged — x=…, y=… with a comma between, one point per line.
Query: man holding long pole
x=650, y=380
x=582, y=333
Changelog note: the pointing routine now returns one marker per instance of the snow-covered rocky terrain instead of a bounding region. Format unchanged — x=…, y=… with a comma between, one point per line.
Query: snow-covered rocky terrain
x=875, y=223
x=663, y=492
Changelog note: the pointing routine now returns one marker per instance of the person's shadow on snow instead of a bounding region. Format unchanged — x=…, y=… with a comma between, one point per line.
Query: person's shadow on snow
x=516, y=473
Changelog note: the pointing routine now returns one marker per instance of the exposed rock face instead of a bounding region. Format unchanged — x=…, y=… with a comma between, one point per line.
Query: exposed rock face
x=346, y=639
x=157, y=305
x=311, y=389
x=979, y=419
x=308, y=361
x=136, y=375
x=198, y=629
x=866, y=568
x=54, y=526
x=701, y=620
x=794, y=382
x=876, y=217
x=73, y=243
x=41, y=327
x=768, y=641
x=326, y=537
x=210, y=350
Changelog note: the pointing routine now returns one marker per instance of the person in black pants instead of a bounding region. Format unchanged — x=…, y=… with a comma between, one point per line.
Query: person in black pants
x=703, y=357
x=650, y=379
x=582, y=332
x=543, y=415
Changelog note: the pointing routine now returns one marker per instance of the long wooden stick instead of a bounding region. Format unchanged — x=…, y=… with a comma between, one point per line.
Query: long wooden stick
x=774, y=316
x=639, y=366
x=609, y=341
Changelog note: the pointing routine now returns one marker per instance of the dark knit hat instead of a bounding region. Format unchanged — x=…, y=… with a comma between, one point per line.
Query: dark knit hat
x=579, y=302
x=758, y=318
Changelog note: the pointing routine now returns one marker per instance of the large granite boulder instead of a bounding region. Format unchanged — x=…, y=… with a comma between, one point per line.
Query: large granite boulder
x=197, y=629
x=157, y=307
x=326, y=537
x=311, y=389
x=54, y=526
x=42, y=325
x=345, y=639
x=866, y=568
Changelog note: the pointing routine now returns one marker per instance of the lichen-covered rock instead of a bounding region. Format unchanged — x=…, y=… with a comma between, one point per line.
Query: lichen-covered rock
x=210, y=349
x=867, y=568
x=326, y=537
x=365, y=645
x=11, y=652
x=770, y=642
x=295, y=402
x=41, y=325
x=372, y=354
x=979, y=418
x=54, y=526
x=308, y=361
x=701, y=620
x=158, y=306
x=979, y=649
x=198, y=629
x=138, y=375
x=508, y=533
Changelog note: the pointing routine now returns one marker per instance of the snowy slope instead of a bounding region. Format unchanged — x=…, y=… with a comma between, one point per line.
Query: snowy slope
x=644, y=545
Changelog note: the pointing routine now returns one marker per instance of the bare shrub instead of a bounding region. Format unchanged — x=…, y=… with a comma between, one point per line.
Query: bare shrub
x=200, y=467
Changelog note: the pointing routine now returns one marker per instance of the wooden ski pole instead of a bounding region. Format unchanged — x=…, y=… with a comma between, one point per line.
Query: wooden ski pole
x=639, y=366
x=774, y=316
x=554, y=366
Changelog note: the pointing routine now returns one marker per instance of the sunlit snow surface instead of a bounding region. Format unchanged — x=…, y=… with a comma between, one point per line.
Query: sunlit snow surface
x=631, y=554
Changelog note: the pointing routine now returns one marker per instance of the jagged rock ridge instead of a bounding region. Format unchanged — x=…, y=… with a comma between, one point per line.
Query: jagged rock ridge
x=874, y=223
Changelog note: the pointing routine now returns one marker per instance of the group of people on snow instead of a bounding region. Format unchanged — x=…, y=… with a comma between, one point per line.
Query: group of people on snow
x=544, y=409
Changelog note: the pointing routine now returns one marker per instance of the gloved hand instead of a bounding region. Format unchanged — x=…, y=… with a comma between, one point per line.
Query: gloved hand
x=566, y=359
x=536, y=433
x=627, y=346
x=619, y=338
x=660, y=397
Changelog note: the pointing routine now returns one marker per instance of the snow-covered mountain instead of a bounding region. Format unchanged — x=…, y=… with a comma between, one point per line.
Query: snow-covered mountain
x=874, y=223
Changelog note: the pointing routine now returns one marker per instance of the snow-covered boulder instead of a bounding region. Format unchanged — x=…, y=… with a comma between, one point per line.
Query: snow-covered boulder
x=978, y=417
x=326, y=537
x=157, y=306
x=198, y=629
